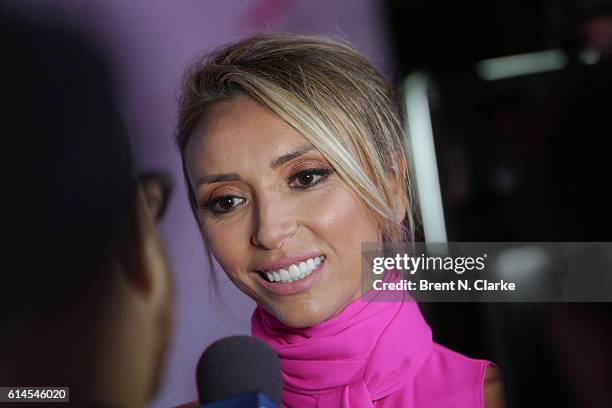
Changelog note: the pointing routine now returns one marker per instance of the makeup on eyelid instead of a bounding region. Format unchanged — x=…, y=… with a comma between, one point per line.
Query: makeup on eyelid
x=323, y=172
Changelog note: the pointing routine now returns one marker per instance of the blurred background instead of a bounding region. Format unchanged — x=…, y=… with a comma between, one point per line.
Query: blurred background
x=509, y=99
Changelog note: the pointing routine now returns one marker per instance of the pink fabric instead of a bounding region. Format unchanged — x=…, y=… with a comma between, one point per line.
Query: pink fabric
x=372, y=354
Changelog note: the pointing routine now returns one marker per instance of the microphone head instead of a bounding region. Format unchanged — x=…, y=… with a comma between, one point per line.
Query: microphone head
x=238, y=365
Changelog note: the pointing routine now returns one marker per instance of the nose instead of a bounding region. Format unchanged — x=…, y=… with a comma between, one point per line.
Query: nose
x=274, y=223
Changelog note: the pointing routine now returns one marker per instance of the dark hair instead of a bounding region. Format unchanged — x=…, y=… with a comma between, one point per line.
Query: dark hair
x=68, y=180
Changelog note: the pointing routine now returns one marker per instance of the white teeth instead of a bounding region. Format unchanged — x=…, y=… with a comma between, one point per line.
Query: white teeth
x=295, y=271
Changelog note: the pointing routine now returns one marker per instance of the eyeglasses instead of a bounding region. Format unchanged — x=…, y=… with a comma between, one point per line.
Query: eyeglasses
x=156, y=188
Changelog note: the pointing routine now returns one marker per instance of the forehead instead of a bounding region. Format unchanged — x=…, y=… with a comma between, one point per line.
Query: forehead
x=239, y=131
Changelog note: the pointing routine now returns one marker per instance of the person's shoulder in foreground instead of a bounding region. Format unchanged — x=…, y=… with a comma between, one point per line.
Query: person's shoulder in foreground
x=449, y=379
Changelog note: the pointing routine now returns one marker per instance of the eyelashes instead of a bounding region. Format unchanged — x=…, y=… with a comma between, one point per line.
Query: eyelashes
x=301, y=180
x=223, y=204
x=309, y=178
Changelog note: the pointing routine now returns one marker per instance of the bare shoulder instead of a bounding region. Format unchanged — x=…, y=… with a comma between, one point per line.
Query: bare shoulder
x=493, y=389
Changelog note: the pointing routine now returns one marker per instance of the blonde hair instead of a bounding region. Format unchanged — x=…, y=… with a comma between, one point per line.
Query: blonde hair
x=330, y=94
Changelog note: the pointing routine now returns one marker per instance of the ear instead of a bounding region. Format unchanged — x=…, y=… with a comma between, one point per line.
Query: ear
x=132, y=248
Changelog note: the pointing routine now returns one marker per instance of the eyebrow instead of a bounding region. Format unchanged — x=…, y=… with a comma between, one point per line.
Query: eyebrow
x=291, y=155
x=279, y=161
x=217, y=178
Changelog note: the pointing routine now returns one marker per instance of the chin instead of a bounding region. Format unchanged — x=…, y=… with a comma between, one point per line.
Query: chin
x=302, y=317
x=300, y=323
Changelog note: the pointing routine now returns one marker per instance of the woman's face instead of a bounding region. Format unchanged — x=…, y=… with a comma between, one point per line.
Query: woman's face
x=282, y=224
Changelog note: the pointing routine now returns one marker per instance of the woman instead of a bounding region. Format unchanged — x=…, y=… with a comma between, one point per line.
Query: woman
x=292, y=152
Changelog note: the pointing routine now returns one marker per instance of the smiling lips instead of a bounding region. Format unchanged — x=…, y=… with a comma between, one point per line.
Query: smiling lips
x=293, y=272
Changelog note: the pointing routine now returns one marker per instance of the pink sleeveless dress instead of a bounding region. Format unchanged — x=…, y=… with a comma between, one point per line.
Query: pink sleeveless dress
x=373, y=354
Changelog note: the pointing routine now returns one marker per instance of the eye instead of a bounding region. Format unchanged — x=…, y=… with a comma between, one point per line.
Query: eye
x=309, y=178
x=224, y=204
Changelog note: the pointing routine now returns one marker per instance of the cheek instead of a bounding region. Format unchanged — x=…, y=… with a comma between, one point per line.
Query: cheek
x=226, y=246
x=342, y=218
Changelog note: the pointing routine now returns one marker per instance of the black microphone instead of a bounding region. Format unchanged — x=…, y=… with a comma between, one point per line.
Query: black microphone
x=239, y=372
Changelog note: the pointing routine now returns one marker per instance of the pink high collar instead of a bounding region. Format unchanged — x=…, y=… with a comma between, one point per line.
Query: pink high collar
x=367, y=352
